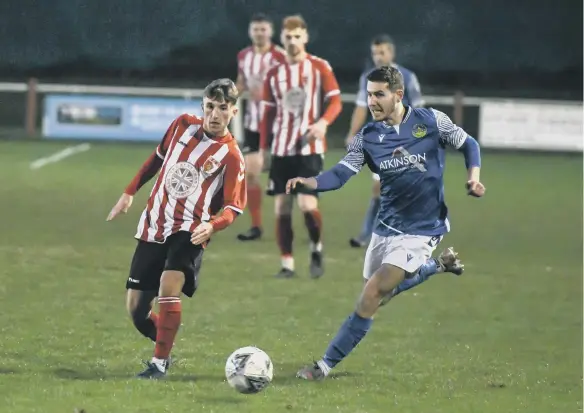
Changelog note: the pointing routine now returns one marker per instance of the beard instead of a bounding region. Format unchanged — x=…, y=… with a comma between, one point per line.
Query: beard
x=293, y=50
x=385, y=111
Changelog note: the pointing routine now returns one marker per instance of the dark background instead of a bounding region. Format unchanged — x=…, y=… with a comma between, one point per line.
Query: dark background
x=520, y=48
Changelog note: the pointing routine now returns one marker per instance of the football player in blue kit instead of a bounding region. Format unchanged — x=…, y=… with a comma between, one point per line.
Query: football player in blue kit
x=406, y=147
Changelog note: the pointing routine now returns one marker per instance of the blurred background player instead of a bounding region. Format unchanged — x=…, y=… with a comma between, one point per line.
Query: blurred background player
x=382, y=54
x=201, y=173
x=301, y=98
x=406, y=147
x=253, y=63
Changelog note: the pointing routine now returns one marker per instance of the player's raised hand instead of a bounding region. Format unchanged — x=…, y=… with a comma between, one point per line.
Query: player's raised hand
x=475, y=188
x=309, y=183
x=123, y=204
x=202, y=233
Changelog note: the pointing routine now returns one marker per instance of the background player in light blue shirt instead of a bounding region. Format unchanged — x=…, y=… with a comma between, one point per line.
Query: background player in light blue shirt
x=406, y=147
x=382, y=54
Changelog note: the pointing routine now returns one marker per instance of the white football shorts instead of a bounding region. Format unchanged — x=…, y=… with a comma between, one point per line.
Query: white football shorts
x=408, y=252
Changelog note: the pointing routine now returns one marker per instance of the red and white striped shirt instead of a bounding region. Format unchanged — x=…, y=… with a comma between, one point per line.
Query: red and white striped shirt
x=298, y=92
x=254, y=67
x=199, y=176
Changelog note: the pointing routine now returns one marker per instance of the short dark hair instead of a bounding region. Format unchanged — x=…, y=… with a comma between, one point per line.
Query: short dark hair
x=382, y=39
x=389, y=75
x=261, y=17
x=222, y=90
x=294, y=22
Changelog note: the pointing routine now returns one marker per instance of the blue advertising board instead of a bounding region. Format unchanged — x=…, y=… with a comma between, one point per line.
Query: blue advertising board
x=99, y=117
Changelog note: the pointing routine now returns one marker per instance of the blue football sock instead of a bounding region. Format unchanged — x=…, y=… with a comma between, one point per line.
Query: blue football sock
x=369, y=220
x=426, y=271
x=349, y=335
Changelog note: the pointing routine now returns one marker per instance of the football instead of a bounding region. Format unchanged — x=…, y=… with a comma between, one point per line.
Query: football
x=249, y=370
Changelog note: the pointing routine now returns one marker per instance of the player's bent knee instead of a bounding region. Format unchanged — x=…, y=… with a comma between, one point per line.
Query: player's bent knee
x=139, y=302
x=139, y=305
x=171, y=283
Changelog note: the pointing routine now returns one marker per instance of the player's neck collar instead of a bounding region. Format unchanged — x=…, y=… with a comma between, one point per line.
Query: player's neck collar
x=220, y=139
x=295, y=62
x=268, y=48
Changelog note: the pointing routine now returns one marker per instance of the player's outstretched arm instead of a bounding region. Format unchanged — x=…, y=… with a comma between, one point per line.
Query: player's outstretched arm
x=147, y=171
x=329, y=180
x=339, y=174
x=456, y=137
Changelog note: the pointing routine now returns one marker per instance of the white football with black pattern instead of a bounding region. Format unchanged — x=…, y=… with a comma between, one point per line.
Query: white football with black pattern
x=249, y=370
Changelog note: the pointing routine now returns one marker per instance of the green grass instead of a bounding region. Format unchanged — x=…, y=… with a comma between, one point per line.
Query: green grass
x=505, y=337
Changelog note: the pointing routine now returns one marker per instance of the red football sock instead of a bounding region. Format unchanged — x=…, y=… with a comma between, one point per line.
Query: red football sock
x=254, y=204
x=313, y=222
x=284, y=234
x=167, y=326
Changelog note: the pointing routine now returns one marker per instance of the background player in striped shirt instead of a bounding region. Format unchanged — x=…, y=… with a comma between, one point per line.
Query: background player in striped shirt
x=301, y=98
x=382, y=54
x=253, y=63
x=200, y=190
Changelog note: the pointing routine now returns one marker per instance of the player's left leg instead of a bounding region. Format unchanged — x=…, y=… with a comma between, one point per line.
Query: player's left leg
x=253, y=169
x=447, y=261
x=399, y=255
x=308, y=204
x=370, y=216
x=311, y=165
x=180, y=275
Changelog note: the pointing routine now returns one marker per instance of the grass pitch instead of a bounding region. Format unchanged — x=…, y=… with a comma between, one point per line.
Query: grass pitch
x=505, y=337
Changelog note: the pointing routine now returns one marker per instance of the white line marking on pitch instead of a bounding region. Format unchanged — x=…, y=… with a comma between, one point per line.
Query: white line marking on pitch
x=59, y=156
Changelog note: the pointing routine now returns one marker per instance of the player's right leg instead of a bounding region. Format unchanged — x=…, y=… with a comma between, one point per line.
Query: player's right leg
x=183, y=263
x=370, y=216
x=357, y=324
x=308, y=204
x=308, y=166
x=139, y=305
x=142, y=285
x=253, y=169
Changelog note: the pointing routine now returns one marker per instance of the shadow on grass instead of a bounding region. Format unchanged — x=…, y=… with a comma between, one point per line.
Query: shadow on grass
x=95, y=375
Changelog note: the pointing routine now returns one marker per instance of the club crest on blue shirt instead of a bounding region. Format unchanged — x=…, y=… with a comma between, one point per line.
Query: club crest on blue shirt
x=419, y=130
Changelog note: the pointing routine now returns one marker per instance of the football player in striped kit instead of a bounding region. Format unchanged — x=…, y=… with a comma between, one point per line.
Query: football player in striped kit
x=253, y=63
x=301, y=98
x=201, y=189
